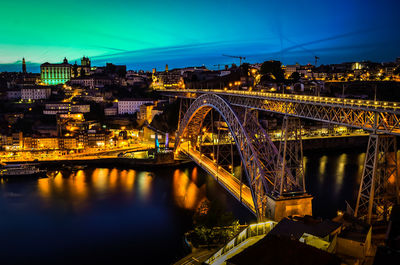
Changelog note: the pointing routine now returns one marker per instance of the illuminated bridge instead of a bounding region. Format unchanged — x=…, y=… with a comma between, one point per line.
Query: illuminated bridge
x=275, y=175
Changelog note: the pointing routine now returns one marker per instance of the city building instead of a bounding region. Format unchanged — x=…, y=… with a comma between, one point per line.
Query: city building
x=145, y=112
x=13, y=94
x=41, y=142
x=54, y=74
x=81, y=70
x=35, y=93
x=130, y=106
x=61, y=107
x=68, y=143
x=110, y=111
x=92, y=81
x=11, y=142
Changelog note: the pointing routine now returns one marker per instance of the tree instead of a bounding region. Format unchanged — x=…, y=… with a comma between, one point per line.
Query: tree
x=273, y=69
x=244, y=71
x=295, y=76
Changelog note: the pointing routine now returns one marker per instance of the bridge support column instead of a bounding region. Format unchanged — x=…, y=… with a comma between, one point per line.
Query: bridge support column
x=379, y=187
x=290, y=158
x=183, y=107
x=289, y=196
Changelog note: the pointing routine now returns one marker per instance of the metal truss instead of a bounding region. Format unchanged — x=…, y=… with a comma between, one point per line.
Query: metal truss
x=264, y=167
x=381, y=117
x=251, y=164
x=290, y=160
x=265, y=148
x=379, y=183
x=184, y=104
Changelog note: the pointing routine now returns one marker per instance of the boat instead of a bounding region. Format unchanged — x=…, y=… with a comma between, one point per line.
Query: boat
x=21, y=170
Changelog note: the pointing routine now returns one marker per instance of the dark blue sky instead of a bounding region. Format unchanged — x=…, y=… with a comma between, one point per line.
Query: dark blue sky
x=150, y=34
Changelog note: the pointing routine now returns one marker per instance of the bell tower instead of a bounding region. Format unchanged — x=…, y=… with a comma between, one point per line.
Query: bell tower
x=23, y=66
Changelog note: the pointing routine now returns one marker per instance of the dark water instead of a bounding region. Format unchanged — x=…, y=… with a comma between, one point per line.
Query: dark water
x=126, y=216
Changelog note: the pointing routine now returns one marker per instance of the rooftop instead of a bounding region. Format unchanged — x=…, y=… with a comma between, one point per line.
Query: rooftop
x=295, y=229
x=281, y=250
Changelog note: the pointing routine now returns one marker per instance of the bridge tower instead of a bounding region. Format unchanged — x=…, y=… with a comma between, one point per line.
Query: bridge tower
x=379, y=187
x=290, y=159
x=289, y=195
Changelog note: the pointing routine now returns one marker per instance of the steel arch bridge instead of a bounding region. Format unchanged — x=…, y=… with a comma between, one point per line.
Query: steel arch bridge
x=258, y=154
x=380, y=118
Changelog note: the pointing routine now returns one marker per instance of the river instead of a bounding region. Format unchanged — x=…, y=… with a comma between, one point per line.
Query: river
x=103, y=215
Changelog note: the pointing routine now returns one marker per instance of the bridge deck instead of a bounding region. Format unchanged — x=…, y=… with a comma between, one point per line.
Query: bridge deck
x=229, y=182
x=375, y=116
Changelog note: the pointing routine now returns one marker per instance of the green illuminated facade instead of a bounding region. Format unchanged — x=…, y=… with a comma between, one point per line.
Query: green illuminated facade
x=54, y=74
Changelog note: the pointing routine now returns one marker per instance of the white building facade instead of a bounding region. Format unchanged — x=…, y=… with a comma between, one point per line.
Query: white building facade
x=35, y=93
x=130, y=106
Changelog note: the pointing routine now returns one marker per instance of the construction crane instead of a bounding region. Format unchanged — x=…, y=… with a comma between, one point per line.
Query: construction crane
x=239, y=57
x=316, y=60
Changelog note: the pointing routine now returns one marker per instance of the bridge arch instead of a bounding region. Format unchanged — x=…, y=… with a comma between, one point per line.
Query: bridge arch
x=259, y=180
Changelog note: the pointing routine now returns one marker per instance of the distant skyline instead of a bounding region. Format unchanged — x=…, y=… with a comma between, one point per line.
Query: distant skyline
x=146, y=35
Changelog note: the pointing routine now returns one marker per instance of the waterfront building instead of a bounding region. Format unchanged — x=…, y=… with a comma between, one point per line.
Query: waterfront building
x=68, y=143
x=41, y=143
x=11, y=142
x=54, y=74
x=96, y=139
x=130, y=106
x=35, y=93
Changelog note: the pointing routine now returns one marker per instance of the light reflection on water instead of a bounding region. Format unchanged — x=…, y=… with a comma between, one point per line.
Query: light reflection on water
x=332, y=178
x=342, y=162
x=186, y=193
x=90, y=210
x=154, y=206
x=84, y=185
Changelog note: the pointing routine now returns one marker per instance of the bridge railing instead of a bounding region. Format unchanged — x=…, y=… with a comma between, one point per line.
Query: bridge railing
x=345, y=102
x=253, y=230
x=205, y=163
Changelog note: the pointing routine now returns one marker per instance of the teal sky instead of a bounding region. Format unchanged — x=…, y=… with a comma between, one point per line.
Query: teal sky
x=147, y=34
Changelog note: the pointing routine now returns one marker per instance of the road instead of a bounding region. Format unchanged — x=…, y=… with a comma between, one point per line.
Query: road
x=229, y=182
x=100, y=154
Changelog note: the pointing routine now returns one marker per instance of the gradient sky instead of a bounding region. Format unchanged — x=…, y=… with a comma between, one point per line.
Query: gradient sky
x=147, y=34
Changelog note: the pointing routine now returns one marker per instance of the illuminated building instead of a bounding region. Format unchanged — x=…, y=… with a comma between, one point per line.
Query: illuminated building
x=58, y=108
x=12, y=142
x=43, y=143
x=130, y=106
x=53, y=74
x=68, y=143
x=110, y=111
x=145, y=112
x=83, y=69
x=35, y=93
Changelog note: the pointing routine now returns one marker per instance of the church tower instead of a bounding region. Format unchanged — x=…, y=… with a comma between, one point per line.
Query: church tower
x=23, y=66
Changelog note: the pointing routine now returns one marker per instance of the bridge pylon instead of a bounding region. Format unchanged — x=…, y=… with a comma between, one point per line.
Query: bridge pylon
x=289, y=195
x=379, y=187
x=290, y=159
